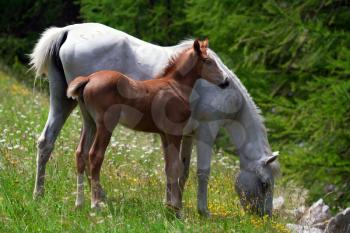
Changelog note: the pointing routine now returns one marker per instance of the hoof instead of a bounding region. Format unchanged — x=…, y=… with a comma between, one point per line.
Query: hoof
x=38, y=195
x=174, y=211
x=204, y=213
x=79, y=204
x=178, y=215
x=98, y=205
x=103, y=195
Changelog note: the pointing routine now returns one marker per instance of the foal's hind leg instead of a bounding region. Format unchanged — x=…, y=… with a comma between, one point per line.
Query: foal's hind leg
x=173, y=170
x=86, y=139
x=80, y=163
x=90, y=131
x=96, y=156
x=60, y=108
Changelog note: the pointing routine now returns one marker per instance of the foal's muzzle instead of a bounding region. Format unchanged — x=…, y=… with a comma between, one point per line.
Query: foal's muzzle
x=224, y=84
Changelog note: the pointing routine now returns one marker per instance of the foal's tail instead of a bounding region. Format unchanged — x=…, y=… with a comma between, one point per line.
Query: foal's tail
x=76, y=87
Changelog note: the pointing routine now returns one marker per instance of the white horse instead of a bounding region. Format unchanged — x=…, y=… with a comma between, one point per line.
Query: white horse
x=81, y=49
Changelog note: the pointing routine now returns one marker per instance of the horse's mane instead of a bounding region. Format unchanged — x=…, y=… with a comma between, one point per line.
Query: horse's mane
x=254, y=111
x=171, y=64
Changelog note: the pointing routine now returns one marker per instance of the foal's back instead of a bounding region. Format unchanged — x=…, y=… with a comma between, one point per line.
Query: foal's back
x=112, y=97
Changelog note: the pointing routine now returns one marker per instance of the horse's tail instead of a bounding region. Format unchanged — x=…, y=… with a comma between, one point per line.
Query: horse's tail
x=76, y=87
x=47, y=48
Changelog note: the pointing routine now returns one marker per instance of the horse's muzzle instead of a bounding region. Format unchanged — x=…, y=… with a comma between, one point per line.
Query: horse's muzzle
x=225, y=84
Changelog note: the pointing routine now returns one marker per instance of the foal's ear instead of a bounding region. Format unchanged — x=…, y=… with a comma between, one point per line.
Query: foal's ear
x=201, y=47
x=197, y=47
x=205, y=43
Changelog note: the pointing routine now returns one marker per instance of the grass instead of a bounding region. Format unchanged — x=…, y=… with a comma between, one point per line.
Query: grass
x=132, y=176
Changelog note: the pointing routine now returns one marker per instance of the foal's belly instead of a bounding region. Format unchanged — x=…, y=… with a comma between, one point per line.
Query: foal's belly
x=158, y=120
x=135, y=119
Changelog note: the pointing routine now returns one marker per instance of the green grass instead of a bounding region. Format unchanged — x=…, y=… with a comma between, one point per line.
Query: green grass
x=132, y=176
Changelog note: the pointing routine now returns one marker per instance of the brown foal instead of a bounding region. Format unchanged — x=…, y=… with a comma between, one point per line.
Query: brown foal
x=160, y=106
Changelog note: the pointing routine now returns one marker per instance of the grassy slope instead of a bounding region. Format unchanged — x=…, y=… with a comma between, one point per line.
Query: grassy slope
x=132, y=175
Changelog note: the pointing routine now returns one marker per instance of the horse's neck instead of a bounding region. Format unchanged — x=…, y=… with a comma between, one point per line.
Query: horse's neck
x=151, y=61
x=255, y=145
x=247, y=131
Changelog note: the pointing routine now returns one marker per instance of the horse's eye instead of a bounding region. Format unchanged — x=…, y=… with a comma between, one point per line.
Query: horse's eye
x=264, y=185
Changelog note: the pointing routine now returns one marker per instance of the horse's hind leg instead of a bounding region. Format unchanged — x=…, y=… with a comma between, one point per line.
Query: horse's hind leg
x=96, y=156
x=60, y=108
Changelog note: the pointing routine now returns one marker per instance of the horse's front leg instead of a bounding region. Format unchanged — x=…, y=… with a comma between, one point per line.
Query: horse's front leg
x=96, y=156
x=173, y=170
x=205, y=136
x=185, y=156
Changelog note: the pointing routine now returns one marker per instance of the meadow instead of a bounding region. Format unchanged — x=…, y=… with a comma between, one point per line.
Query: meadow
x=292, y=56
x=132, y=176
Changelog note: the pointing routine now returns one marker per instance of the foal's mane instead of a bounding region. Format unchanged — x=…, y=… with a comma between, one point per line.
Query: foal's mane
x=171, y=65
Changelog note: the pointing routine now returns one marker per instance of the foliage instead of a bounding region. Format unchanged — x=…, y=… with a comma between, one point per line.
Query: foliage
x=156, y=21
x=22, y=22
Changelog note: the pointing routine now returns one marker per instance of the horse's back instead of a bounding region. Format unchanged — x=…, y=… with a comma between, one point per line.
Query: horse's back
x=90, y=47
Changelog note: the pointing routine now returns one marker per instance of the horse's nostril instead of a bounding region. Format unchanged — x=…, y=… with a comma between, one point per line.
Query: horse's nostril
x=225, y=84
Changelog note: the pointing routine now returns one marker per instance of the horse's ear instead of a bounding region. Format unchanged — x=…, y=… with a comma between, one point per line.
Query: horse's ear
x=270, y=159
x=197, y=47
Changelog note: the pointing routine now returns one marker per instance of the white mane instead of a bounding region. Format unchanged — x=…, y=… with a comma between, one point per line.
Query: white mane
x=254, y=111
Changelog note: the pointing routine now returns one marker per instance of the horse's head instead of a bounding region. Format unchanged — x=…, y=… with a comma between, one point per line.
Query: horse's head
x=208, y=67
x=255, y=185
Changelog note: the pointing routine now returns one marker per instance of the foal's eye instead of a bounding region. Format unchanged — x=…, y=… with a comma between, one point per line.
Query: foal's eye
x=207, y=61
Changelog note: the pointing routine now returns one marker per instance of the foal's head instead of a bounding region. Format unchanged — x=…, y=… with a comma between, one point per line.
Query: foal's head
x=209, y=68
x=199, y=62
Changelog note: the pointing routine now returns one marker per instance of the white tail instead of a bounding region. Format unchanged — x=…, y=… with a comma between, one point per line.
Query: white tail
x=44, y=48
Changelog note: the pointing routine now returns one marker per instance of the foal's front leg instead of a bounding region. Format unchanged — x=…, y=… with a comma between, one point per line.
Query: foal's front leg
x=173, y=170
x=96, y=156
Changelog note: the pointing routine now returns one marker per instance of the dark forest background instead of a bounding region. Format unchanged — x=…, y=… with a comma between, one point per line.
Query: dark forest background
x=293, y=57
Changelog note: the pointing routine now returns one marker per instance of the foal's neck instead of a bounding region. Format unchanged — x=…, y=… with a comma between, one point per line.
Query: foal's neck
x=184, y=82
